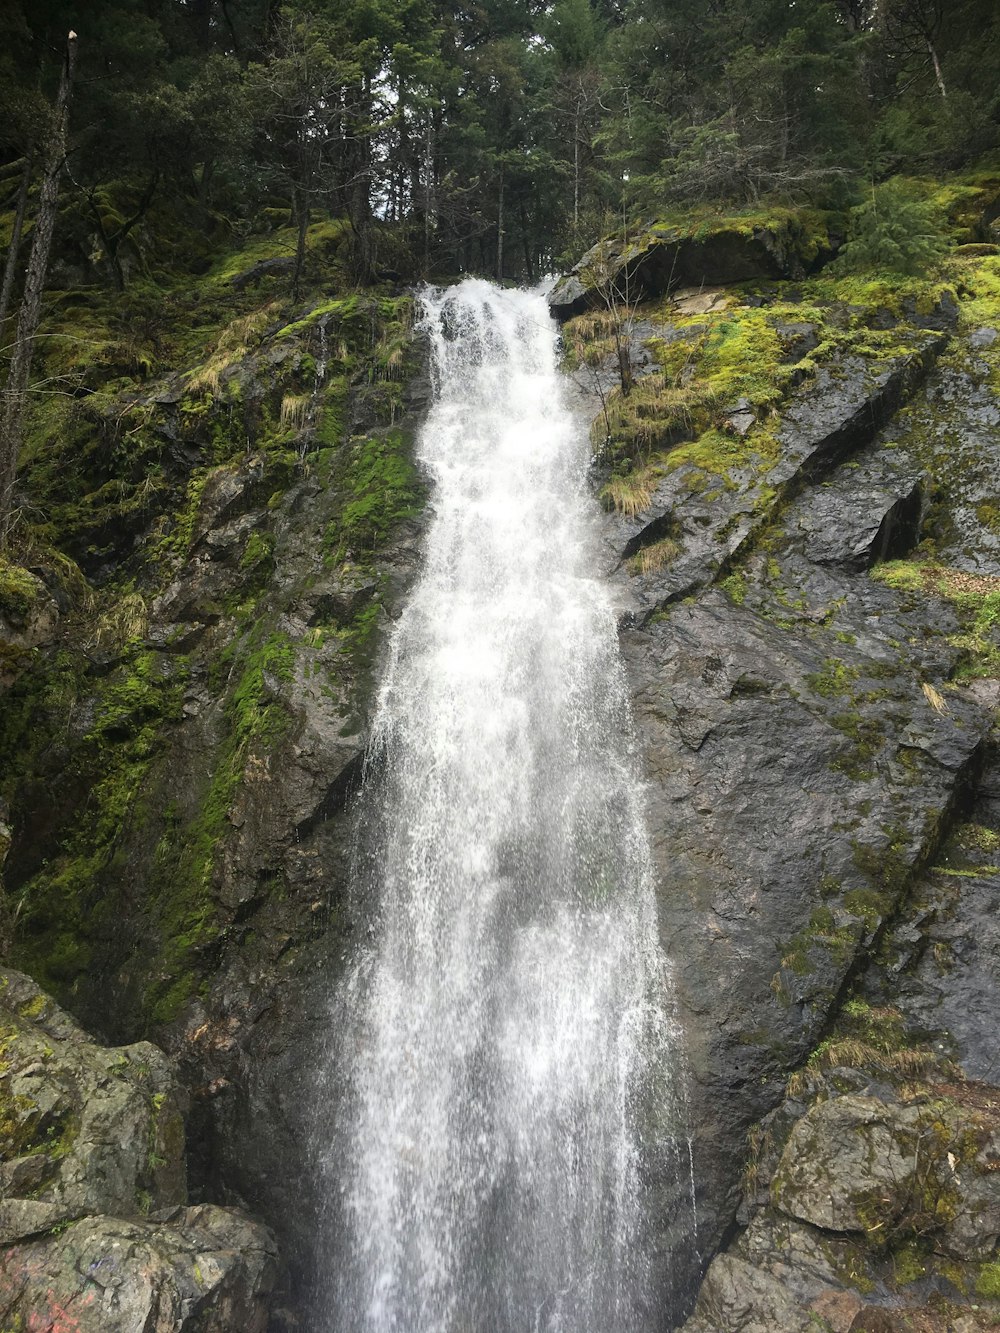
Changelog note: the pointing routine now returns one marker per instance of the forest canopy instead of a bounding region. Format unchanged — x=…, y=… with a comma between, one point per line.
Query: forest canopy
x=497, y=137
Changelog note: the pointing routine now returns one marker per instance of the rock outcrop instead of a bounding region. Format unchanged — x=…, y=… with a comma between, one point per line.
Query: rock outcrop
x=94, y=1227
x=808, y=577
x=698, y=254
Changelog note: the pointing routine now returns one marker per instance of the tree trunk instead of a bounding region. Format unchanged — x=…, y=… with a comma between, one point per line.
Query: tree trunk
x=939, y=77
x=14, y=402
x=10, y=267
x=359, y=198
x=576, y=166
x=300, y=206
x=500, y=228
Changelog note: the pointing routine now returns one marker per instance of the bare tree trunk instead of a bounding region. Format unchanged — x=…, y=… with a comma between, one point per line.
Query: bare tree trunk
x=939, y=77
x=429, y=194
x=300, y=207
x=576, y=167
x=14, y=401
x=500, y=229
x=10, y=267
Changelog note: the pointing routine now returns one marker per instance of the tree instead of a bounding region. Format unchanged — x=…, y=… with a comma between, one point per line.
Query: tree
x=305, y=96
x=893, y=230
x=13, y=404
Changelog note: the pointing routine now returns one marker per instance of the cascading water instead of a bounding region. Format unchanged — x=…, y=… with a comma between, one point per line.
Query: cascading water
x=503, y=1037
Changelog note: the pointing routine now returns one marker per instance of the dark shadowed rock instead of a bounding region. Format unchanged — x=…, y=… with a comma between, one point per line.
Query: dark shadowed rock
x=666, y=257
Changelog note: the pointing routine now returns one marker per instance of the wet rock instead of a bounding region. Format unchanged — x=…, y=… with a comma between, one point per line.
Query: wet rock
x=942, y=959
x=186, y=1270
x=228, y=493
x=872, y=514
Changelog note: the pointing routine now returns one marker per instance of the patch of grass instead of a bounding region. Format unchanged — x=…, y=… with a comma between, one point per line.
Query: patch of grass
x=876, y=1040
x=656, y=556
x=632, y=493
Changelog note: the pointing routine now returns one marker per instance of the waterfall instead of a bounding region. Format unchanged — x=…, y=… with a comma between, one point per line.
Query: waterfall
x=503, y=1037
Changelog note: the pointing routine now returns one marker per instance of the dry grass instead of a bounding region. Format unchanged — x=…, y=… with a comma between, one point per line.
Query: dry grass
x=126, y=619
x=656, y=556
x=936, y=700
x=593, y=324
x=295, y=410
x=855, y=1053
x=656, y=413
x=632, y=493
x=232, y=345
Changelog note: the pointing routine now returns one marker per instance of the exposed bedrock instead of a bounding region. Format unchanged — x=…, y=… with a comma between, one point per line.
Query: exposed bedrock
x=816, y=734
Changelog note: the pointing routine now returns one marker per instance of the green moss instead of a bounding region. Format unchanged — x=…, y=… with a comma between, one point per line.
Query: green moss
x=976, y=599
x=822, y=933
x=63, y=905
x=383, y=489
x=735, y=587
x=835, y=681
x=866, y=737
x=258, y=554
x=988, y=1282
x=19, y=592
x=869, y=905
x=185, y=909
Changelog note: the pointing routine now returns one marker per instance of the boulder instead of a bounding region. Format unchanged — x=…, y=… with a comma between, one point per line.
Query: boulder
x=695, y=259
x=736, y=1297
x=94, y=1230
x=186, y=1270
x=85, y=1128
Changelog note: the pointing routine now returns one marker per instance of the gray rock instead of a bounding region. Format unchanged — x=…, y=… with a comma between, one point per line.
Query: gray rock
x=736, y=1297
x=85, y=1128
x=666, y=257
x=851, y=1164
x=822, y=426
x=189, y=1270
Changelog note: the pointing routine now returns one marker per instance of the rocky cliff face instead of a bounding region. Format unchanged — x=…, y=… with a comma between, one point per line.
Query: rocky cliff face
x=807, y=563
x=800, y=521
x=183, y=724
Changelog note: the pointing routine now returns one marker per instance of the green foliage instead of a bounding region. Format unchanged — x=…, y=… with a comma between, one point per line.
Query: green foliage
x=893, y=231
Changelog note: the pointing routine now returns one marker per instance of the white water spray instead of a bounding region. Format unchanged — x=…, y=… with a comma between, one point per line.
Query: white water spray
x=503, y=1039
